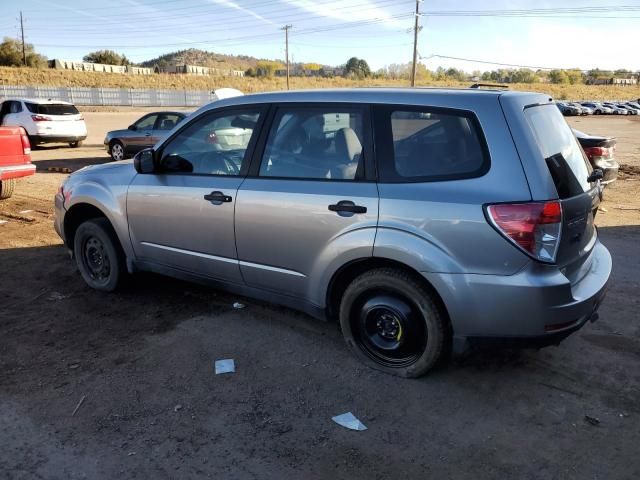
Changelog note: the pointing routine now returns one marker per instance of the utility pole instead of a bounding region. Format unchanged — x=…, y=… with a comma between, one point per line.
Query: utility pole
x=415, y=45
x=286, y=48
x=24, y=53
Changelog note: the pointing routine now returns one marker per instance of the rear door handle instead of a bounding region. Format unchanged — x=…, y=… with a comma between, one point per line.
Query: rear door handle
x=347, y=206
x=218, y=197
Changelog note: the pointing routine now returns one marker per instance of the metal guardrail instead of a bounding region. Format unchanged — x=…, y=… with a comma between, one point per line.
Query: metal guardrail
x=132, y=97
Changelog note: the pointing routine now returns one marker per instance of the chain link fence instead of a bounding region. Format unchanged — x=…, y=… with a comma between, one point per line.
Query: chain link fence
x=131, y=97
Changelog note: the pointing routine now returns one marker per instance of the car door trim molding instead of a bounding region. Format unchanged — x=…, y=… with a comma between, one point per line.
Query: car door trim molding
x=190, y=252
x=224, y=259
x=270, y=268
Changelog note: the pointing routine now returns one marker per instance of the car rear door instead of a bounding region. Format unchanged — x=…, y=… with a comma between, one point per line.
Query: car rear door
x=310, y=203
x=182, y=216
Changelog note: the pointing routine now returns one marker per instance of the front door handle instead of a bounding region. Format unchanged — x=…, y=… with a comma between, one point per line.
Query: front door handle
x=347, y=206
x=218, y=197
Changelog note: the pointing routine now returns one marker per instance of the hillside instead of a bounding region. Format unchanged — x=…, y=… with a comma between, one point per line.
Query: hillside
x=203, y=58
x=69, y=78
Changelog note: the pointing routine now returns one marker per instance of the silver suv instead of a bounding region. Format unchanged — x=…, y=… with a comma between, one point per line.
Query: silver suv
x=420, y=219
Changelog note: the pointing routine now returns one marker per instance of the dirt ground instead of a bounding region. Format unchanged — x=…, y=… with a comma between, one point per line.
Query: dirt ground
x=136, y=368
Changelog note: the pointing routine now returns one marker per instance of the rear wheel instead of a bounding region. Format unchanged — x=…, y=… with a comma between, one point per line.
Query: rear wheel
x=99, y=255
x=391, y=322
x=6, y=188
x=117, y=150
x=75, y=144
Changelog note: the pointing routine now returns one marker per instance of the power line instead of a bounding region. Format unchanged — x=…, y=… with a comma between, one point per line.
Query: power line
x=497, y=63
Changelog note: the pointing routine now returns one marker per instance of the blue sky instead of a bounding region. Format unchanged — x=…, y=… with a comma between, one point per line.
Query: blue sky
x=329, y=31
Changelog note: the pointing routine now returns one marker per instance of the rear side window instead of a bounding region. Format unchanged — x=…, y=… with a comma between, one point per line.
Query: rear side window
x=52, y=109
x=427, y=145
x=567, y=163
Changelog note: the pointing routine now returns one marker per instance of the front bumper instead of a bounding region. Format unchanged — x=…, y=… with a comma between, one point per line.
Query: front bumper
x=59, y=212
x=38, y=139
x=538, y=303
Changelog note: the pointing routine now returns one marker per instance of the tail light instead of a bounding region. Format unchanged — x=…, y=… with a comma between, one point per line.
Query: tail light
x=602, y=152
x=40, y=118
x=212, y=138
x=533, y=227
x=26, y=144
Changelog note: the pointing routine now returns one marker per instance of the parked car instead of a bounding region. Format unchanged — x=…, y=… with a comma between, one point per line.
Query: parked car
x=568, y=110
x=45, y=121
x=598, y=108
x=635, y=105
x=616, y=110
x=421, y=219
x=15, y=159
x=601, y=152
x=583, y=109
x=143, y=133
x=630, y=110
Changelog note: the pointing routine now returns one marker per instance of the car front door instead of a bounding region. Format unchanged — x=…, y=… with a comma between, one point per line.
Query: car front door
x=182, y=216
x=309, y=203
x=140, y=136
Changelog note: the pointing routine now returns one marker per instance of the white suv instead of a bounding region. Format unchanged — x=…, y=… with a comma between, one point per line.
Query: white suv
x=46, y=121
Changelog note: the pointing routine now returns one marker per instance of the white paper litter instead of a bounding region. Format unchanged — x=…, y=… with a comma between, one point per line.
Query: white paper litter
x=225, y=366
x=349, y=420
x=25, y=211
x=3, y=221
x=238, y=305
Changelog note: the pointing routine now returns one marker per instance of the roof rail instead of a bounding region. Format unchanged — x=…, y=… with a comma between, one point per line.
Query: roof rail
x=489, y=85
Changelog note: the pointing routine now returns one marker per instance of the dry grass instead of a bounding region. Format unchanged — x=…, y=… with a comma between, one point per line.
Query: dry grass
x=60, y=78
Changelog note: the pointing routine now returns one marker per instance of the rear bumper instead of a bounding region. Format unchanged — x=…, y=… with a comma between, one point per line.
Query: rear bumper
x=17, y=171
x=539, y=303
x=38, y=139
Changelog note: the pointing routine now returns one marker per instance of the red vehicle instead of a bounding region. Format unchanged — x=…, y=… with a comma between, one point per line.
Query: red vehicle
x=15, y=158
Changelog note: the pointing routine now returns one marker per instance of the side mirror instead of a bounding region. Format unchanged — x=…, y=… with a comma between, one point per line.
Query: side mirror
x=132, y=127
x=143, y=162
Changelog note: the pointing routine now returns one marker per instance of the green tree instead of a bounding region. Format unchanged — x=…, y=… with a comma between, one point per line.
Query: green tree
x=11, y=54
x=267, y=68
x=357, y=67
x=107, y=57
x=558, y=76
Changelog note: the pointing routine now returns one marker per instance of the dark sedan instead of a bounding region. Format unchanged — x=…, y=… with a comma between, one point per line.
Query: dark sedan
x=600, y=152
x=143, y=133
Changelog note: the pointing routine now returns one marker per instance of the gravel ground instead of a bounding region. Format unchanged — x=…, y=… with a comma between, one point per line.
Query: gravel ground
x=137, y=369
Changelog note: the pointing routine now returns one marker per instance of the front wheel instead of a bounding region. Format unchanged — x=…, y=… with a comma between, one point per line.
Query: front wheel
x=6, y=188
x=117, y=151
x=99, y=255
x=392, y=323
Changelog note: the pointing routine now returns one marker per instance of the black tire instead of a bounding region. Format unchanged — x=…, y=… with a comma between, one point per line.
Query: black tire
x=114, y=147
x=392, y=323
x=6, y=188
x=75, y=144
x=99, y=255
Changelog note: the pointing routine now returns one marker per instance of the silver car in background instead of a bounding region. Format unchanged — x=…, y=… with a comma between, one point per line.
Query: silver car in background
x=419, y=219
x=143, y=133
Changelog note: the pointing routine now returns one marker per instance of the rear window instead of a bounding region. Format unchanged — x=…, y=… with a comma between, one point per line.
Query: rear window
x=429, y=145
x=566, y=161
x=52, y=109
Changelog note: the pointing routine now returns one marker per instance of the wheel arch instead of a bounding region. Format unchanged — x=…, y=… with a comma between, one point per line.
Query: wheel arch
x=348, y=272
x=78, y=214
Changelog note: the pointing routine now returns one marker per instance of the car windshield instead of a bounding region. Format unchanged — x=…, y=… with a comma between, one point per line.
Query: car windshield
x=52, y=108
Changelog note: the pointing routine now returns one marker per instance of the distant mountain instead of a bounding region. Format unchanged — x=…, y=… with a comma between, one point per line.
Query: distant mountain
x=203, y=58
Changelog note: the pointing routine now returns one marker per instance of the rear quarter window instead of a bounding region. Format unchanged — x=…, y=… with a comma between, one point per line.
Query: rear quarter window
x=420, y=144
x=560, y=149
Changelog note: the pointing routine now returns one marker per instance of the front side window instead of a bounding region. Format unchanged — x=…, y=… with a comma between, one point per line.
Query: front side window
x=429, y=145
x=146, y=123
x=16, y=107
x=315, y=143
x=167, y=121
x=214, y=144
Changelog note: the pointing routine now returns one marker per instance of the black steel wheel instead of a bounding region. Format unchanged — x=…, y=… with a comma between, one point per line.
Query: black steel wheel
x=99, y=255
x=390, y=321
